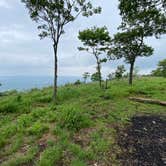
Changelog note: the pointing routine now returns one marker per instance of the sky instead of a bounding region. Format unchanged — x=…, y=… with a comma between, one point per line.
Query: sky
x=23, y=53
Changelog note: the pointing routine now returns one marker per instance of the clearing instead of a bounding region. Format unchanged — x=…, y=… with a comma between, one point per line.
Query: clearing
x=87, y=126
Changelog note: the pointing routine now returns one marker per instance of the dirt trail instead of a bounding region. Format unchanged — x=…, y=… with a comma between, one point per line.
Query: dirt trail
x=144, y=142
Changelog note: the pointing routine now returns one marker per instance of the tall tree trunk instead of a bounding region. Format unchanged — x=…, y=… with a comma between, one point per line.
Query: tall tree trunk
x=55, y=46
x=98, y=68
x=131, y=73
x=99, y=72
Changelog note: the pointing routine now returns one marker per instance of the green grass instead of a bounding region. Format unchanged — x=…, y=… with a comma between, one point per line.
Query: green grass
x=79, y=129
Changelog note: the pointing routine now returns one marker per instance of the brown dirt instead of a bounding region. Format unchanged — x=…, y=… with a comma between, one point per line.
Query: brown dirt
x=83, y=137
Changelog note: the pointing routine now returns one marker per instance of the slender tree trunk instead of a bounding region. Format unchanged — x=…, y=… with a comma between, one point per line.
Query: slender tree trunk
x=55, y=47
x=98, y=68
x=106, y=84
x=131, y=73
x=99, y=71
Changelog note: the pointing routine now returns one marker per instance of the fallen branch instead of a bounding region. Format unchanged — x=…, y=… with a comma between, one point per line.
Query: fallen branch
x=151, y=101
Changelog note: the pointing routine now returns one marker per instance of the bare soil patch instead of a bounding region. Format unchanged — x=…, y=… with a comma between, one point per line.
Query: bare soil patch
x=143, y=143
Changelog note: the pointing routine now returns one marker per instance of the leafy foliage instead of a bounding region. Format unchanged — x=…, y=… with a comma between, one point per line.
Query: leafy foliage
x=86, y=75
x=96, y=41
x=73, y=118
x=95, y=77
x=141, y=19
x=149, y=16
x=120, y=71
x=161, y=70
x=51, y=156
x=53, y=15
x=130, y=45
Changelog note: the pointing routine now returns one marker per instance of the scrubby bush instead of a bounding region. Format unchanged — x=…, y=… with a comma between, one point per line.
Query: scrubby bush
x=9, y=106
x=78, y=163
x=37, y=129
x=67, y=92
x=161, y=69
x=73, y=118
x=14, y=105
x=78, y=82
x=44, y=99
x=50, y=156
x=24, y=121
x=119, y=72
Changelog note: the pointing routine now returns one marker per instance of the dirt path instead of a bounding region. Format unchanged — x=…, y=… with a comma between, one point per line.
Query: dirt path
x=144, y=142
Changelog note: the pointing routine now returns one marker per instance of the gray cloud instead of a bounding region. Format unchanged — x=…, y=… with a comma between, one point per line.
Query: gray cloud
x=23, y=53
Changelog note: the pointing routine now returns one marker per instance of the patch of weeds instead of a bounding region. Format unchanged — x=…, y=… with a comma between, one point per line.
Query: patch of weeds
x=78, y=162
x=50, y=116
x=44, y=99
x=13, y=147
x=37, y=129
x=21, y=159
x=38, y=113
x=23, y=121
x=66, y=93
x=9, y=106
x=7, y=132
x=106, y=95
x=2, y=142
x=14, y=105
x=73, y=118
x=99, y=145
x=79, y=152
x=62, y=133
x=51, y=156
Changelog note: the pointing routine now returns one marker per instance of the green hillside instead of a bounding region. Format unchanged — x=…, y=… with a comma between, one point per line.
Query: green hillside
x=83, y=127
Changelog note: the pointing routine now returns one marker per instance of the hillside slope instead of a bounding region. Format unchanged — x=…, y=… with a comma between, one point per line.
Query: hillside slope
x=87, y=125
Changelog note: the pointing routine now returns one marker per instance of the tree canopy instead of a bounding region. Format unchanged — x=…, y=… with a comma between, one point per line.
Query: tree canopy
x=161, y=70
x=96, y=41
x=149, y=16
x=53, y=15
x=130, y=45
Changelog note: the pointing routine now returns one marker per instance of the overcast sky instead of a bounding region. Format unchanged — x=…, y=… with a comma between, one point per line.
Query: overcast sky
x=23, y=53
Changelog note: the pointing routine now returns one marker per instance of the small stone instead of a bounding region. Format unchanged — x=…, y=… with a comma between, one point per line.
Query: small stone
x=153, y=122
x=145, y=129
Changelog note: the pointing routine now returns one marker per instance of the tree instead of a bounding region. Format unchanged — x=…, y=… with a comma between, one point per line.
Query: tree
x=96, y=77
x=147, y=15
x=86, y=75
x=53, y=15
x=111, y=76
x=130, y=45
x=145, y=18
x=120, y=71
x=161, y=70
x=96, y=41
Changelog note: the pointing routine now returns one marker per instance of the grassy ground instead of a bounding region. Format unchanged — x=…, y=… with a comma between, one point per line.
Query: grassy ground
x=80, y=129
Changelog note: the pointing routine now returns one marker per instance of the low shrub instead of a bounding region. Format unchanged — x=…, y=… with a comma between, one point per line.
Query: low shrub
x=73, y=118
x=78, y=163
x=44, y=99
x=66, y=93
x=10, y=106
x=37, y=129
x=50, y=156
